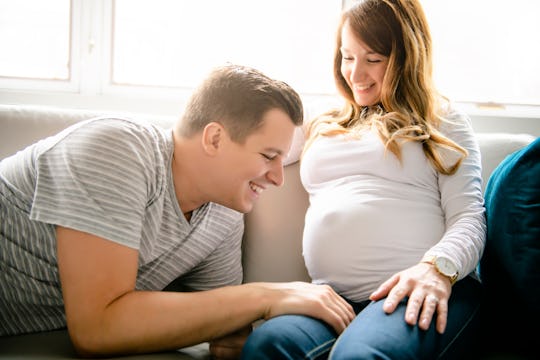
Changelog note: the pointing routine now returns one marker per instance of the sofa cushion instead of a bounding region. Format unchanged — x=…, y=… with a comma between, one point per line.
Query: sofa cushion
x=510, y=266
x=30, y=123
x=513, y=218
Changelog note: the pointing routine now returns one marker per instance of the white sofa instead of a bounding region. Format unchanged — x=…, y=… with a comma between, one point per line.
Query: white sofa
x=272, y=241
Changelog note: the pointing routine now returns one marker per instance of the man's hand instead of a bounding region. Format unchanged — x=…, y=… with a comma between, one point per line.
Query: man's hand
x=230, y=346
x=318, y=301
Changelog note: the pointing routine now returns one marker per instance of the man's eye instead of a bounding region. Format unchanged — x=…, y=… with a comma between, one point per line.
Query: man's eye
x=268, y=157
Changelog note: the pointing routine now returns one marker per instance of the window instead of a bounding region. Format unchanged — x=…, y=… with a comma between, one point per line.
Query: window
x=35, y=46
x=485, y=50
x=161, y=48
x=174, y=43
x=115, y=53
x=43, y=52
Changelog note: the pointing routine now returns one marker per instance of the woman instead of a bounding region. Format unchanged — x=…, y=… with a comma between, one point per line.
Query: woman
x=396, y=219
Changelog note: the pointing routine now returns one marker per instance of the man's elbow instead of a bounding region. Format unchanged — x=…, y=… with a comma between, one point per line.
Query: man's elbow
x=88, y=342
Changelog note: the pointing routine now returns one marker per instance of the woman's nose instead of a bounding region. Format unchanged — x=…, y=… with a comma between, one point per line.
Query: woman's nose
x=357, y=73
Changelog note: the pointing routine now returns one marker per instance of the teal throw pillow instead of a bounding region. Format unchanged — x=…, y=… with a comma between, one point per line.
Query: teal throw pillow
x=510, y=266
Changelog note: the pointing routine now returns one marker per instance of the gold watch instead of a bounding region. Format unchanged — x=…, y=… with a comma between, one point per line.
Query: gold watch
x=444, y=266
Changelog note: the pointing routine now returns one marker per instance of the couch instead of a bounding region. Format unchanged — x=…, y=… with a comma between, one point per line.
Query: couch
x=272, y=240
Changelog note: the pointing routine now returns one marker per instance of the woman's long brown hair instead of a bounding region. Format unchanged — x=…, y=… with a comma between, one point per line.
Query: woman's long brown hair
x=410, y=108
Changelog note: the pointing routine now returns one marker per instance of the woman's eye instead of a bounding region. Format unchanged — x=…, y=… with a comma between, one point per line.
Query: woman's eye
x=347, y=58
x=373, y=61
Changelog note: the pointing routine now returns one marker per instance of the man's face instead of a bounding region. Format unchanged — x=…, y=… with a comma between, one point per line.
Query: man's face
x=247, y=169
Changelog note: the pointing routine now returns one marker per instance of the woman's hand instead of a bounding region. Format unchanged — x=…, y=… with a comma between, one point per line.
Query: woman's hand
x=428, y=293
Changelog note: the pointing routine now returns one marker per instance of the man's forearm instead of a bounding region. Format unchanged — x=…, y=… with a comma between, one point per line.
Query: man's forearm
x=141, y=321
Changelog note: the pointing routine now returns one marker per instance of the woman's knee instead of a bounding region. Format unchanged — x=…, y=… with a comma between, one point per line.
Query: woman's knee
x=264, y=340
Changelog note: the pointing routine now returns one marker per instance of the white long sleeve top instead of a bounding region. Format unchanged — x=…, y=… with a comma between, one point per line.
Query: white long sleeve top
x=371, y=215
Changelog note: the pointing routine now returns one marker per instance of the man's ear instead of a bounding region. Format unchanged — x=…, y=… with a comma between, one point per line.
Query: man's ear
x=212, y=137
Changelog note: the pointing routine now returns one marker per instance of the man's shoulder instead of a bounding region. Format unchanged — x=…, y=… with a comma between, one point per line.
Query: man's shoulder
x=117, y=132
x=119, y=123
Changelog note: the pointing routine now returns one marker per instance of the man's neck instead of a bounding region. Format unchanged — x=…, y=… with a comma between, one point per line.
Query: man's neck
x=186, y=166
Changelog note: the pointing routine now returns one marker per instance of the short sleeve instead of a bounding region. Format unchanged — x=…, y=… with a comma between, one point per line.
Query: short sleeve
x=98, y=179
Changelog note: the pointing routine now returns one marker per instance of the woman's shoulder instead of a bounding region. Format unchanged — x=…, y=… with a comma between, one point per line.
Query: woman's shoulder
x=453, y=118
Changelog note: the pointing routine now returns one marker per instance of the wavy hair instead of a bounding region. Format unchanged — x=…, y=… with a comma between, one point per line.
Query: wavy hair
x=410, y=108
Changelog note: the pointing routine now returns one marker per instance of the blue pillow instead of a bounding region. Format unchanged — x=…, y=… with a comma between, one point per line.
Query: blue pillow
x=510, y=266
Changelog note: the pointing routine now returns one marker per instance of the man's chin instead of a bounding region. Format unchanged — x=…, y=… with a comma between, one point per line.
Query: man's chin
x=242, y=208
x=245, y=209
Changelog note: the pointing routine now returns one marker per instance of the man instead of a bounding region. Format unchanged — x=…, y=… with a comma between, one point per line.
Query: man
x=100, y=218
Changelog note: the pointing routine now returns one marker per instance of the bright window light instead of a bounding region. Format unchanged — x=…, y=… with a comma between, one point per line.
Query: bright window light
x=486, y=50
x=109, y=52
x=35, y=38
x=175, y=43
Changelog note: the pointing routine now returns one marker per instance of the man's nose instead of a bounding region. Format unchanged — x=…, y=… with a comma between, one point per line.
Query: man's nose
x=275, y=173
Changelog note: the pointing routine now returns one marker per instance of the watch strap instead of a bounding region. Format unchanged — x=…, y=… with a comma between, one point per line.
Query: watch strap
x=431, y=259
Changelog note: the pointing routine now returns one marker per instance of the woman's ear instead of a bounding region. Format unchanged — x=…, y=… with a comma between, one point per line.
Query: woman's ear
x=212, y=137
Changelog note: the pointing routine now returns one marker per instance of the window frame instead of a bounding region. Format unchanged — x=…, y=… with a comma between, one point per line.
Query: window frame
x=91, y=53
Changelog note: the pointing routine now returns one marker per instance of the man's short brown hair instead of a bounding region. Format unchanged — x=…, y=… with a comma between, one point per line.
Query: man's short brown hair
x=238, y=97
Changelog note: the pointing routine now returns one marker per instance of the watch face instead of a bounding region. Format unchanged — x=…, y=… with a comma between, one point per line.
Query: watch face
x=446, y=266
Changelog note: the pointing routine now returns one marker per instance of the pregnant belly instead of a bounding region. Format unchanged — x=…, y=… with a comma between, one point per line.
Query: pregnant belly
x=353, y=240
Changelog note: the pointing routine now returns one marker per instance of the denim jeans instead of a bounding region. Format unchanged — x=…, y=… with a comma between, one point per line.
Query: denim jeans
x=373, y=334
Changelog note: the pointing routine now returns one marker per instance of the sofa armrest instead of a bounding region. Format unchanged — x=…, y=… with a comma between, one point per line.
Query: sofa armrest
x=494, y=147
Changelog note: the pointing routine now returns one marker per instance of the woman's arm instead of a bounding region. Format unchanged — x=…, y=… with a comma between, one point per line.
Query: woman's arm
x=462, y=202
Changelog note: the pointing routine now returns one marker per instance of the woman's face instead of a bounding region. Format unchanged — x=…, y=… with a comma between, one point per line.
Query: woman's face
x=362, y=68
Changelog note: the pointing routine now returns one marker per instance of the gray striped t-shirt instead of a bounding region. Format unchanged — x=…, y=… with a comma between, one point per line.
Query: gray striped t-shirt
x=112, y=178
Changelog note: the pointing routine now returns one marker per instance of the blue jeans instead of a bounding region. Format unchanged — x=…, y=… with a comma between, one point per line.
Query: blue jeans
x=373, y=334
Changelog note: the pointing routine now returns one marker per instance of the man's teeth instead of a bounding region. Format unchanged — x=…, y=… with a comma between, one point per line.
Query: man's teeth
x=256, y=188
